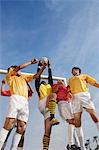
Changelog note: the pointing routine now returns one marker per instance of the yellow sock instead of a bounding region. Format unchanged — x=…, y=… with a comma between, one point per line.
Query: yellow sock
x=52, y=106
x=46, y=140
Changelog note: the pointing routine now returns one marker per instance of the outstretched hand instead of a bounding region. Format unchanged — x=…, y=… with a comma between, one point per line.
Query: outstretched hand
x=34, y=61
x=39, y=64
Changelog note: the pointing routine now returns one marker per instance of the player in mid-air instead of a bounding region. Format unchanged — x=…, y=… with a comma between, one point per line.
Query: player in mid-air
x=18, y=104
x=5, y=92
x=65, y=109
x=78, y=86
x=47, y=105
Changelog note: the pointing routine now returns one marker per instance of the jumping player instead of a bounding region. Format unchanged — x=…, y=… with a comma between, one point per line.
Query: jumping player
x=78, y=85
x=47, y=105
x=18, y=107
x=65, y=110
x=8, y=93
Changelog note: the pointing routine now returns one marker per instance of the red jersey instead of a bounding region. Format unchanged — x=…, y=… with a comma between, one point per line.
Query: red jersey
x=61, y=91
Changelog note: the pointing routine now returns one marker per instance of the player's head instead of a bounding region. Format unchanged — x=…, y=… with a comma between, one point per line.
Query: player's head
x=76, y=71
x=43, y=82
x=60, y=82
x=11, y=68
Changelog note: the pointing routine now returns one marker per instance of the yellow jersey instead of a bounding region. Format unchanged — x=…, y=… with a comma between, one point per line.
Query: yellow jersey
x=44, y=91
x=79, y=83
x=18, y=84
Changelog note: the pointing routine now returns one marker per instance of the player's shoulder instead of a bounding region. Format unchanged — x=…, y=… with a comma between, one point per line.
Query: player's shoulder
x=84, y=75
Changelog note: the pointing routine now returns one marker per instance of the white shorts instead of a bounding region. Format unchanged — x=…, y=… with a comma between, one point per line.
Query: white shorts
x=42, y=108
x=82, y=100
x=65, y=110
x=18, y=108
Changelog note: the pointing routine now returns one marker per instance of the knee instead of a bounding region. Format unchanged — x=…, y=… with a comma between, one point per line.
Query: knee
x=71, y=121
x=21, y=128
x=8, y=124
x=53, y=96
x=77, y=123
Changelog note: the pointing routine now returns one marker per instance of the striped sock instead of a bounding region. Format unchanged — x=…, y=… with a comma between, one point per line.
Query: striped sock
x=52, y=106
x=46, y=140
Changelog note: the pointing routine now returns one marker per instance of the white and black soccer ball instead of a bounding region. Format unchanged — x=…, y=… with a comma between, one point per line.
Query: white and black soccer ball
x=44, y=60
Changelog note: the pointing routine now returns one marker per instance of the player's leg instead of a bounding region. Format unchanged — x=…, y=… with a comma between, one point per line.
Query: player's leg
x=47, y=132
x=5, y=130
x=22, y=117
x=51, y=100
x=18, y=134
x=94, y=117
x=66, y=113
x=21, y=143
x=90, y=108
x=4, y=145
x=77, y=112
x=43, y=108
x=78, y=129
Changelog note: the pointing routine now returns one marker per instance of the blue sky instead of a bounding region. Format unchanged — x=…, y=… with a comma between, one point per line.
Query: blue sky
x=64, y=31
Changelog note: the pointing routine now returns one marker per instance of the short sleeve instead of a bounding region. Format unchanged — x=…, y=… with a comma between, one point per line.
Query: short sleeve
x=28, y=78
x=90, y=80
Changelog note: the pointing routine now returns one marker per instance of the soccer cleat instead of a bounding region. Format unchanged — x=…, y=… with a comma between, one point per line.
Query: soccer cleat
x=78, y=148
x=68, y=148
x=74, y=147
x=54, y=121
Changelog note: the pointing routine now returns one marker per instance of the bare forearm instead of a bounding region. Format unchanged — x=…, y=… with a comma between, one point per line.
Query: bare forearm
x=23, y=66
x=33, y=61
x=96, y=85
x=2, y=88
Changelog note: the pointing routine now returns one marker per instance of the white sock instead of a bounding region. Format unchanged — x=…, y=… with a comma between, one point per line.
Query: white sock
x=3, y=135
x=97, y=125
x=79, y=132
x=20, y=148
x=70, y=134
x=15, y=141
x=76, y=140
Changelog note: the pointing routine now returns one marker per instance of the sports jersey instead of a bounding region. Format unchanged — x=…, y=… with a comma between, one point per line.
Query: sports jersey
x=61, y=92
x=44, y=90
x=79, y=83
x=18, y=84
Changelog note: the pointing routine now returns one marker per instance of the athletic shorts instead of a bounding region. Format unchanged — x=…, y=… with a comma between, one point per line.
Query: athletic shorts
x=82, y=100
x=42, y=108
x=65, y=110
x=18, y=108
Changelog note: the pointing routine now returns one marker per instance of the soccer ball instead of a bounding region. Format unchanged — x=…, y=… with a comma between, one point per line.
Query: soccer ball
x=44, y=60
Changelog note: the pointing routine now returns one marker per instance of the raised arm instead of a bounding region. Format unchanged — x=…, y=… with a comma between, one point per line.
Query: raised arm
x=2, y=86
x=17, y=68
x=3, y=91
x=39, y=72
x=50, y=79
x=37, y=80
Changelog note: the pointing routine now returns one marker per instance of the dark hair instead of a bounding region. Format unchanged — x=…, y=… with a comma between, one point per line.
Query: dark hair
x=13, y=66
x=42, y=82
x=76, y=68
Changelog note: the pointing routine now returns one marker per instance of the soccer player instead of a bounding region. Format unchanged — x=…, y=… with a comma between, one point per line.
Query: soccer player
x=65, y=110
x=78, y=85
x=47, y=105
x=8, y=93
x=18, y=104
